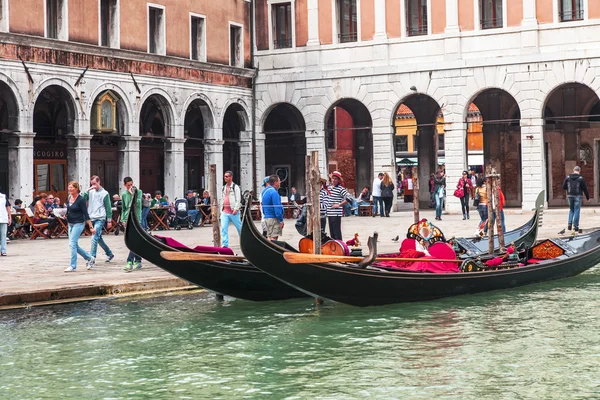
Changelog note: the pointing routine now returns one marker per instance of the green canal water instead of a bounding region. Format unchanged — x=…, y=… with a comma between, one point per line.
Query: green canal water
x=537, y=342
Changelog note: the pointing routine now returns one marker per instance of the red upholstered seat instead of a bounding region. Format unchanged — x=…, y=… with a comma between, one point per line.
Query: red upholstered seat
x=198, y=249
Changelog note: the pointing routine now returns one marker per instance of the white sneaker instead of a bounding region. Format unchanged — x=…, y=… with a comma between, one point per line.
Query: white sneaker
x=109, y=258
x=90, y=263
x=70, y=269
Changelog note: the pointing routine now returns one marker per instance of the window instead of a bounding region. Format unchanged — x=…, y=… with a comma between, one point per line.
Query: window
x=198, y=37
x=236, y=56
x=347, y=21
x=571, y=10
x=416, y=17
x=3, y=15
x=56, y=19
x=415, y=143
x=440, y=142
x=109, y=23
x=282, y=25
x=156, y=30
x=401, y=143
x=491, y=14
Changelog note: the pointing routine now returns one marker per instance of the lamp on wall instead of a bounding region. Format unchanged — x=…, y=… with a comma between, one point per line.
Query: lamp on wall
x=413, y=88
x=530, y=137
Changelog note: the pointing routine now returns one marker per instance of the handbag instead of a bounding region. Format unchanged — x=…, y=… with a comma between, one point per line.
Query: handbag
x=476, y=199
x=459, y=192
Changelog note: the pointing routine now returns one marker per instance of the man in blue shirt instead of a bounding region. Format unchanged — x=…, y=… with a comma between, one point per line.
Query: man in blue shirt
x=272, y=208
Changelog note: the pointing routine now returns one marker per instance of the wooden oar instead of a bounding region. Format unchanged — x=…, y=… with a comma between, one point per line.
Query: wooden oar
x=188, y=256
x=305, y=258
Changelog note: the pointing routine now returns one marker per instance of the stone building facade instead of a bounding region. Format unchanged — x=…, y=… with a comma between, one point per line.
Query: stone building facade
x=156, y=91
x=530, y=67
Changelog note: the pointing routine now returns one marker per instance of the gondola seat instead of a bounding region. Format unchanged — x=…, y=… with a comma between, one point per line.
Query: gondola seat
x=198, y=249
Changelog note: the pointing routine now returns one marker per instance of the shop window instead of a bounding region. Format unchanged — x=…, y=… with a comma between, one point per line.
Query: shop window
x=156, y=30
x=347, y=21
x=56, y=19
x=571, y=10
x=236, y=55
x=50, y=176
x=415, y=143
x=401, y=143
x=104, y=114
x=282, y=25
x=441, y=145
x=491, y=14
x=416, y=17
x=198, y=38
x=109, y=23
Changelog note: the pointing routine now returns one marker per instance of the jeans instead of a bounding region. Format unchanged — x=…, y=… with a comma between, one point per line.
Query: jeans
x=98, y=240
x=227, y=219
x=133, y=258
x=376, y=204
x=195, y=216
x=350, y=204
x=483, y=214
x=574, y=209
x=75, y=231
x=502, y=218
x=464, y=204
x=439, y=203
x=3, y=230
x=362, y=203
x=145, y=212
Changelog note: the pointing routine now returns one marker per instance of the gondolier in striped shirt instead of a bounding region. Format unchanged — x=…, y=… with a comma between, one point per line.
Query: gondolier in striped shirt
x=335, y=205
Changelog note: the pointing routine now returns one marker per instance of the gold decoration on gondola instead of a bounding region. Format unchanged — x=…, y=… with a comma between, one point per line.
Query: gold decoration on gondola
x=547, y=250
x=425, y=233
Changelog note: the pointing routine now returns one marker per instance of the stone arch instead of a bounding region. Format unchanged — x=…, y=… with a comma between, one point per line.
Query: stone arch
x=9, y=122
x=64, y=85
x=15, y=97
x=208, y=113
x=571, y=138
x=127, y=108
x=167, y=105
x=348, y=126
x=284, y=129
x=58, y=101
x=243, y=112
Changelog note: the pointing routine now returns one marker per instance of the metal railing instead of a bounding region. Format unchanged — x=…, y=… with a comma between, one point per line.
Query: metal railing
x=417, y=30
x=491, y=23
x=573, y=15
x=348, y=37
x=282, y=43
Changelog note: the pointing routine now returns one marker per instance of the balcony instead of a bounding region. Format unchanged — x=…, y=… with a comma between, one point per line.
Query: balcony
x=572, y=15
x=417, y=30
x=491, y=23
x=282, y=43
x=348, y=37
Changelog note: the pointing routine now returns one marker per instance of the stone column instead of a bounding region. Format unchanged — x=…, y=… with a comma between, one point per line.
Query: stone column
x=20, y=166
x=129, y=160
x=313, y=23
x=529, y=24
x=260, y=160
x=456, y=158
x=245, y=180
x=316, y=141
x=380, y=23
x=174, y=168
x=384, y=155
x=213, y=154
x=533, y=160
x=78, y=159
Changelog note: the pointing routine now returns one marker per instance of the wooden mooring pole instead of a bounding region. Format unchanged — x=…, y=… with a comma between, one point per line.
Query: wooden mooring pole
x=415, y=180
x=315, y=181
x=214, y=206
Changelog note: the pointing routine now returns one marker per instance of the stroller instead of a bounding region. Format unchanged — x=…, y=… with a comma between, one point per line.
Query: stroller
x=181, y=215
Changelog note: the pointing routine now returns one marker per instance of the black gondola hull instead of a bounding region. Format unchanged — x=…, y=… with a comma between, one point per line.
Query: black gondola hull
x=236, y=279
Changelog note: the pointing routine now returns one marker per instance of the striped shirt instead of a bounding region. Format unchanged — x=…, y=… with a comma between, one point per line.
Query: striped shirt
x=323, y=198
x=338, y=194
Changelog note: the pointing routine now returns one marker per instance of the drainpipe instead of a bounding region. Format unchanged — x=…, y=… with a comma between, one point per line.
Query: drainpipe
x=252, y=40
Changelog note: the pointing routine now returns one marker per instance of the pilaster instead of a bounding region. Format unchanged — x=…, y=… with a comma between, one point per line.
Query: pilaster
x=20, y=166
x=313, y=23
x=174, y=168
x=213, y=154
x=529, y=24
x=78, y=158
x=245, y=161
x=532, y=160
x=456, y=160
x=129, y=159
x=380, y=26
x=452, y=31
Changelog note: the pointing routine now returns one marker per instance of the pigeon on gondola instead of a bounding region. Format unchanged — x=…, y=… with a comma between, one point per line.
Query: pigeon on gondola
x=561, y=232
x=396, y=238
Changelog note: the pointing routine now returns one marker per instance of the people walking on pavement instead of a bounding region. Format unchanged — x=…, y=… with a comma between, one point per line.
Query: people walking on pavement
x=463, y=189
x=387, y=194
x=272, y=208
x=230, y=210
x=575, y=186
x=134, y=261
x=100, y=211
x=335, y=204
x=146, y=203
x=481, y=198
x=5, y=222
x=77, y=217
x=440, y=193
x=377, y=202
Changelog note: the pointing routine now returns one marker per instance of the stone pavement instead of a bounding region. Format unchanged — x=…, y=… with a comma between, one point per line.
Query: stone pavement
x=33, y=270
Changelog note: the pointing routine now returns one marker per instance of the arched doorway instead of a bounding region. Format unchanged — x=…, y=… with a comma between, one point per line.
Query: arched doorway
x=418, y=140
x=349, y=139
x=53, y=119
x=107, y=126
x=285, y=146
x=234, y=123
x=154, y=129
x=494, y=116
x=9, y=123
x=571, y=137
x=197, y=119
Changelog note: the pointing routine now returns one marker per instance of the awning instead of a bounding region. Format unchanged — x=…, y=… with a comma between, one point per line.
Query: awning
x=475, y=159
x=413, y=161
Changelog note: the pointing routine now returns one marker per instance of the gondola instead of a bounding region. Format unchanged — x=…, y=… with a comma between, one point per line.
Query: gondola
x=524, y=236
x=371, y=286
x=236, y=279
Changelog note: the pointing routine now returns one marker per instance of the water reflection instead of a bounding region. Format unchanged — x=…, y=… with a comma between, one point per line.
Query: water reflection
x=538, y=342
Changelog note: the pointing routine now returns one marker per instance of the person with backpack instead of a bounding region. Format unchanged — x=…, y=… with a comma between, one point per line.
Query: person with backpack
x=230, y=210
x=575, y=186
